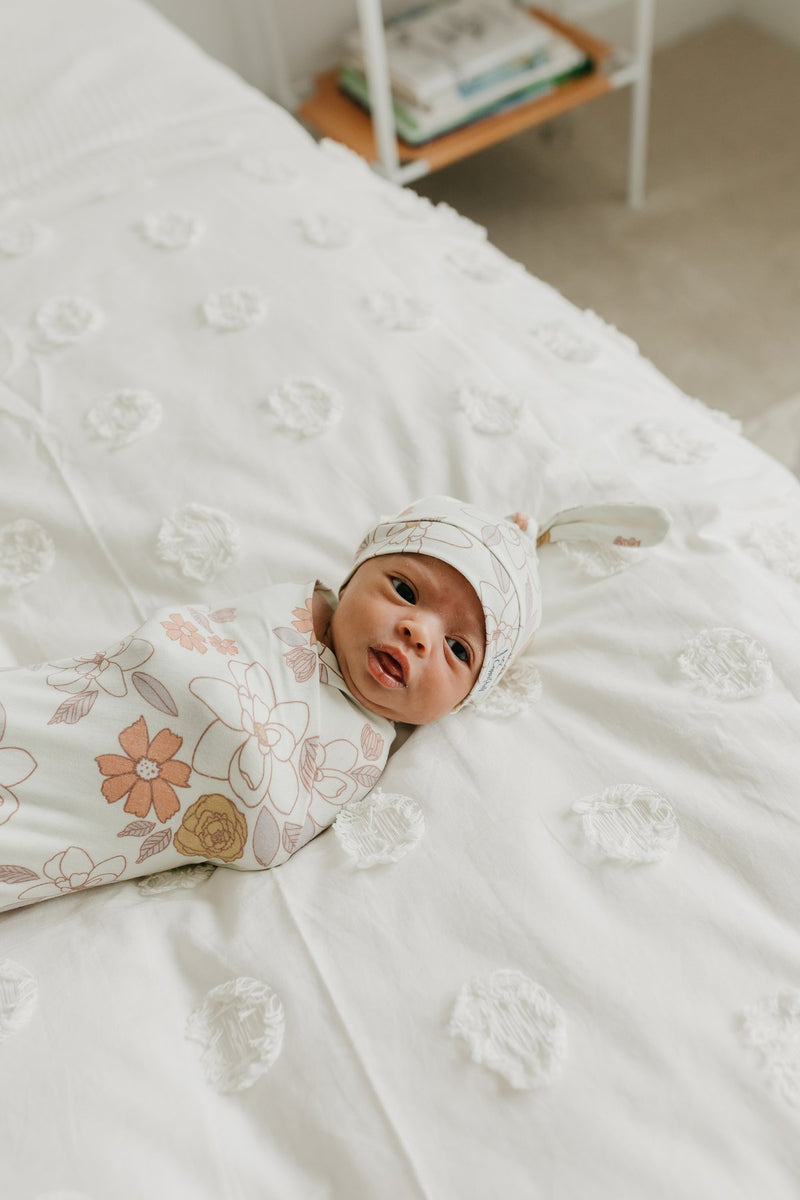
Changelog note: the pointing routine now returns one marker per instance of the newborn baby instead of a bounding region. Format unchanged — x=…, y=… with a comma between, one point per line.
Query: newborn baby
x=234, y=735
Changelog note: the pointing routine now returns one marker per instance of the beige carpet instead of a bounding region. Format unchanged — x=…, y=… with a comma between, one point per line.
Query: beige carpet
x=706, y=278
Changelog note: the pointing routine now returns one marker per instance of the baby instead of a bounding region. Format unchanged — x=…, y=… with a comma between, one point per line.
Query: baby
x=234, y=735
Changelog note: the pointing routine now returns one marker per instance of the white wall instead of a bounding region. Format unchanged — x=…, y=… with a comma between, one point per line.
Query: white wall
x=240, y=32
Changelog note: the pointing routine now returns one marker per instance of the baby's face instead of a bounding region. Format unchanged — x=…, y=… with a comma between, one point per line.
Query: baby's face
x=409, y=637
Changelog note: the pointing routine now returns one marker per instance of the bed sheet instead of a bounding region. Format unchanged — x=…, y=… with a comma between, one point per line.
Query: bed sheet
x=557, y=954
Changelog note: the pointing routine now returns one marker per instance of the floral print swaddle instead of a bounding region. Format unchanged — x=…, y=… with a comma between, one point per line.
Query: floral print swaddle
x=223, y=736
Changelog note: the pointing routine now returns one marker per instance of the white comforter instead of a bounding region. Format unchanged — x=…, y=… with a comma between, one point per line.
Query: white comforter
x=570, y=968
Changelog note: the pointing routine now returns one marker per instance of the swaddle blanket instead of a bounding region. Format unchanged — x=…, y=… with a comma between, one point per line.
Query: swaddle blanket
x=222, y=735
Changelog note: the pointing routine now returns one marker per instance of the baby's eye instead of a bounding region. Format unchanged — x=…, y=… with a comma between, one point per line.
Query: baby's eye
x=404, y=590
x=459, y=649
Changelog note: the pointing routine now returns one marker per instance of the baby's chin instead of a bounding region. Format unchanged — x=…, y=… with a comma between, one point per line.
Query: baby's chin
x=410, y=717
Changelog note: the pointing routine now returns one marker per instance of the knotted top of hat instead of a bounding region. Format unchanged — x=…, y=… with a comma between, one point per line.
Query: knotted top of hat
x=498, y=557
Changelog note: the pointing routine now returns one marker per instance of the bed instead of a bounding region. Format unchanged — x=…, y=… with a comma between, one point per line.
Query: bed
x=555, y=953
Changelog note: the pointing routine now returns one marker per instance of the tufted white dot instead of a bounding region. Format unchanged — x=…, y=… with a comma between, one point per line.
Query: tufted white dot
x=479, y=263
x=26, y=551
x=675, y=444
x=778, y=544
x=267, y=167
x=726, y=663
x=380, y=828
x=18, y=992
x=64, y=320
x=629, y=822
x=235, y=308
x=239, y=1028
x=397, y=311
x=513, y=1026
x=123, y=416
x=565, y=342
x=326, y=231
x=303, y=407
x=408, y=204
x=520, y=687
x=172, y=229
x=600, y=561
x=202, y=541
x=23, y=238
x=487, y=410
x=771, y=1026
x=179, y=878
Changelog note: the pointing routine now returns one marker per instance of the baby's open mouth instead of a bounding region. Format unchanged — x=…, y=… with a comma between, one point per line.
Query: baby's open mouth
x=386, y=668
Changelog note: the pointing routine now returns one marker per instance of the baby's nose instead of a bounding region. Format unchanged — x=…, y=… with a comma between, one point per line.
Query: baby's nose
x=417, y=634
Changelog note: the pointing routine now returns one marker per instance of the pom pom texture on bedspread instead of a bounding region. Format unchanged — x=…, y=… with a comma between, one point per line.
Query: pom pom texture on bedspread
x=557, y=952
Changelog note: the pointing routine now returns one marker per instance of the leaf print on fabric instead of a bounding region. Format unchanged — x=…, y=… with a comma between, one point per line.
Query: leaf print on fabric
x=371, y=743
x=308, y=762
x=212, y=827
x=254, y=737
x=291, y=836
x=12, y=873
x=69, y=712
x=223, y=614
x=154, y=844
x=154, y=692
x=302, y=662
x=72, y=870
x=137, y=829
x=16, y=765
x=185, y=633
x=148, y=775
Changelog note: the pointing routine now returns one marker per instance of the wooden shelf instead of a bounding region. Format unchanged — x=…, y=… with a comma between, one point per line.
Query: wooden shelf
x=335, y=115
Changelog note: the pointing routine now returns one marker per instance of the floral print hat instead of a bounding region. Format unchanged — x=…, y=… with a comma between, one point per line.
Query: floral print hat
x=498, y=558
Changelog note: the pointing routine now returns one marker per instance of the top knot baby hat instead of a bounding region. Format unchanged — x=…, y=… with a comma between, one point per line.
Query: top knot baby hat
x=498, y=557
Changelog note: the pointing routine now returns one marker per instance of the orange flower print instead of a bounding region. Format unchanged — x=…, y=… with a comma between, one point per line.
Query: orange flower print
x=149, y=774
x=223, y=645
x=304, y=620
x=179, y=630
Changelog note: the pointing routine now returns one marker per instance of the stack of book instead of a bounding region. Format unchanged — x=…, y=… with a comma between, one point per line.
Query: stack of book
x=455, y=61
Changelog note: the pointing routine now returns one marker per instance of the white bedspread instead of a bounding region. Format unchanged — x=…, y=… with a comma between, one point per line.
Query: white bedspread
x=223, y=352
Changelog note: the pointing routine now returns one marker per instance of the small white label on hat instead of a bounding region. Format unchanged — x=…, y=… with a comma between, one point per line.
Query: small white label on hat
x=496, y=665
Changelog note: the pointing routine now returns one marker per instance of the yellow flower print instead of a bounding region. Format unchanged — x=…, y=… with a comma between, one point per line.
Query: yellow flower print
x=212, y=828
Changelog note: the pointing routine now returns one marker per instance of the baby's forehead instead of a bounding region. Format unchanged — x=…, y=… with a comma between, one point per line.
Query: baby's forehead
x=447, y=582
x=428, y=567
